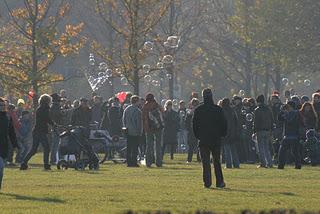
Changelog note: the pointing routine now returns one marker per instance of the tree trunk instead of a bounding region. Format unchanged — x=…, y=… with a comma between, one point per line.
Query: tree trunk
x=171, y=68
x=34, y=81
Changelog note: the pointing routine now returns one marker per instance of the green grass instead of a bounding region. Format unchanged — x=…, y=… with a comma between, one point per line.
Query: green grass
x=176, y=187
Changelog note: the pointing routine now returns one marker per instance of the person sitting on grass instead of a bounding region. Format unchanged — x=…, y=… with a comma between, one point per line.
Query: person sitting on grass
x=7, y=135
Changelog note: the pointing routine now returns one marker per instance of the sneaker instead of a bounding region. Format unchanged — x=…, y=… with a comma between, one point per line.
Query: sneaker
x=261, y=166
x=23, y=166
x=222, y=185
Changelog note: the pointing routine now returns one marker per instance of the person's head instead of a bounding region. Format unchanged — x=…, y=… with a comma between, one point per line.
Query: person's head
x=135, y=100
x=45, y=100
x=150, y=98
x=56, y=98
x=182, y=104
x=296, y=100
x=225, y=103
x=291, y=106
x=304, y=99
x=307, y=108
x=260, y=99
x=237, y=100
x=20, y=103
x=25, y=115
x=315, y=98
x=251, y=102
x=168, y=105
x=287, y=94
x=3, y=106
x=207, y=96
x=97, y=99
x=194, y=103
x=83, y=103
x=76, y=104
x=275, y=100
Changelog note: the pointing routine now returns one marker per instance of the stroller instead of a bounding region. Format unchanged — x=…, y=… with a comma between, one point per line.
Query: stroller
x=74, y=141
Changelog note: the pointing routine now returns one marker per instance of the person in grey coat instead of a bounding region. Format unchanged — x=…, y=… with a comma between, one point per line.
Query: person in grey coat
x=132, y=121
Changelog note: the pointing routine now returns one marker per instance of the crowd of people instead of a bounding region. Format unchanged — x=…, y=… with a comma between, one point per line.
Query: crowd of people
x=260, y=130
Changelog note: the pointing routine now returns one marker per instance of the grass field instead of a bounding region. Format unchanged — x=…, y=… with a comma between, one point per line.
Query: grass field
x=176, y=187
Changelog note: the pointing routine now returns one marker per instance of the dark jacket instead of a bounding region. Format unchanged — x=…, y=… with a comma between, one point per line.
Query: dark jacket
x=171, y=127
x=7, y=132
x=56, y=113
x=115, y=120
x=209, y=123
x=43, y=120
x=147, y=108
x=263, y=119
x=292, y=124
x=233, y=124
x=81, y=117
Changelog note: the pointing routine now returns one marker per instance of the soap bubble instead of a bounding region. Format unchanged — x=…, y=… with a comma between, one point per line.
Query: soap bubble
x=160, y=65
x=147, y=78
x=103, y=66
x=243, y=112
x=249, y=117
x=172, y=42
x=285, y=81
x=91, y=61
x=148, y=46
x=307, y=82
x=182, y=114
x=244, y=126
x=175, y=102
x=146, y=68
x=242, y=93
x=167, y=59
x=169, y=76
x=124, y=81
x=163, y=102
x=109, y=73
x=101, y=74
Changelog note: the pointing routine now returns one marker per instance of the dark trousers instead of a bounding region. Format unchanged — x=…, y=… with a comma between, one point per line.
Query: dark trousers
x=284, y=147
x=193, y=147
x=172, y=147
x=132, y=150
x=205, y=151
x=37, y=139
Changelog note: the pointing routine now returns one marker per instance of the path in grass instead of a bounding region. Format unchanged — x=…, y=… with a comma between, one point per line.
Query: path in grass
x=177, y=187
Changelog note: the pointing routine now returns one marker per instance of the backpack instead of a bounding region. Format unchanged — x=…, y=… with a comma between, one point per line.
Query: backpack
x=155, y=119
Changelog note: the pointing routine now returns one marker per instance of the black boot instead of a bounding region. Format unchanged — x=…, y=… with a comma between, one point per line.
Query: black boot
x=47, y=167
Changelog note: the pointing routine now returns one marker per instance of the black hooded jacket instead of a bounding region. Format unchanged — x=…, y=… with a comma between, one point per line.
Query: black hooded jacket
x=209, y=123
x=7, y=133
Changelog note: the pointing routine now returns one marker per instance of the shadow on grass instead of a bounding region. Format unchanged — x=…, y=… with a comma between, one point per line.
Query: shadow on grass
x=254, y=191
x=31, y=198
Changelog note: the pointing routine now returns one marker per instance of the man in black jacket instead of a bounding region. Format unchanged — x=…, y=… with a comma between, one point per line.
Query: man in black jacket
x=82, y=115
x=7, y=133
x=40, y=132
x=209, y=126
x=262, y=126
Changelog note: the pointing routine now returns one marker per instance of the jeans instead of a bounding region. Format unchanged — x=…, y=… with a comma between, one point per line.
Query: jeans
x=205, y=151
x=231, y=156
x=1, y=170
x=37, y=139
x=264, y=139
x=132, y=149
x=54, y=148
x=151, y=148
x=284, y=147
x=182, y=138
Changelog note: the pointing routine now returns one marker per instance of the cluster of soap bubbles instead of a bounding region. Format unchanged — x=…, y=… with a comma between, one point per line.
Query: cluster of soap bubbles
x=104, y=75
x=285, y=82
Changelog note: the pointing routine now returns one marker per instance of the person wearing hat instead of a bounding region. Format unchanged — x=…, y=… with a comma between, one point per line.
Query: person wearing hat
x=209, y=126
x=58, y=118
x=7, y=136
x=262, y=126
x=153, y=124
x=82, y=115
x=292, y=125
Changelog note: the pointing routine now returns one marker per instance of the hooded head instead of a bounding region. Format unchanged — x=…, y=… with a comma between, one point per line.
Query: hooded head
x=150, y=97
x=207, y=96
x=260, y=100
